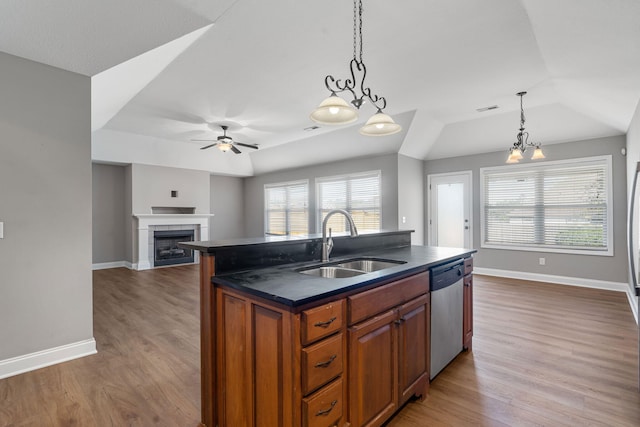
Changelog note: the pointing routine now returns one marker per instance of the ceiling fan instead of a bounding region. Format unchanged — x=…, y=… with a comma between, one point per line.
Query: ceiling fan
x=225, y=143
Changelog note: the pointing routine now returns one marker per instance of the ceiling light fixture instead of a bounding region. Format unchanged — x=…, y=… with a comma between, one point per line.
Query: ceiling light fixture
x=335, y=110
x=522, y=142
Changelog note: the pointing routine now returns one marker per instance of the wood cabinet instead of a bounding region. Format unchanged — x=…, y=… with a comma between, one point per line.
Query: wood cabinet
x=352, y=361
x=278, y=368
x=467, y=310
x=388, y=348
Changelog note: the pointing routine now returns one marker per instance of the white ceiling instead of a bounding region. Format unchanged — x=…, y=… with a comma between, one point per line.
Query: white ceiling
x=168, y=71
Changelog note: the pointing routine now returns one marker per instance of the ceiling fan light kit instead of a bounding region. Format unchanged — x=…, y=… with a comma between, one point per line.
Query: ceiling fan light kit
x=522, y=141
x=336, y=111
x=226, y=143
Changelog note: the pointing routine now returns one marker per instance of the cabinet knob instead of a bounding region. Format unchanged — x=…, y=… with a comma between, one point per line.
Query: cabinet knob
x=326, y=411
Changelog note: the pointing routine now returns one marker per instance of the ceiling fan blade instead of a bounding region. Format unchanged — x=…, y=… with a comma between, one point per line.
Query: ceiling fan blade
x=247, y=145
x=235, y=150
x=208, y=146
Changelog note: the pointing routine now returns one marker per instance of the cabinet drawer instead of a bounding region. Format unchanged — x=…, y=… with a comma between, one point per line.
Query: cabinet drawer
x=321, y=363
x=369, y=303
x=321, y=321
x=468, y=265
x=324, y=408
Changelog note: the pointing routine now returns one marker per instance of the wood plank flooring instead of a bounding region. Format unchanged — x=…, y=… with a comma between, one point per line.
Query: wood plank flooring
x=146, y=372
x=542, y=355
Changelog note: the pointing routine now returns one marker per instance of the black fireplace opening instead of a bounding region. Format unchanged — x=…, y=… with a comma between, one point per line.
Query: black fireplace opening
x=166, y=250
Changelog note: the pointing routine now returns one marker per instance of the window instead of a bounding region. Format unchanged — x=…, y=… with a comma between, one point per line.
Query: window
x=562, y=206
x=358, y=194
x=286, y=208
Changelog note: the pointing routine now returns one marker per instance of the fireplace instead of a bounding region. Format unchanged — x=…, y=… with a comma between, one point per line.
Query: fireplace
x=166, y=250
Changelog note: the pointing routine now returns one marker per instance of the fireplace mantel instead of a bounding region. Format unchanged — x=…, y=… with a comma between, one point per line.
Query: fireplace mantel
x=144, y=261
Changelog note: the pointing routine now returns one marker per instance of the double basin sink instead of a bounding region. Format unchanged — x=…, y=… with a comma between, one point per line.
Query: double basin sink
x=349, y=268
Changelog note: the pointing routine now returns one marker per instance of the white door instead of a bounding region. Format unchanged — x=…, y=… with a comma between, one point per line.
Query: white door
x=449, y=198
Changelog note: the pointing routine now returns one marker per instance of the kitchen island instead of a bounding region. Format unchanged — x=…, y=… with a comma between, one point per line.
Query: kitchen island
x=282, y=346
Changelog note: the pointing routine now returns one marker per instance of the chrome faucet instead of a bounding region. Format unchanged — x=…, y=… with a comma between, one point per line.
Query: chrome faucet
x=327, y=245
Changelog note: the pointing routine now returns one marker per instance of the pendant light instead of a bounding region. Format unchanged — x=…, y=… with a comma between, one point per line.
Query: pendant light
x=335, y=110
x=522, y=141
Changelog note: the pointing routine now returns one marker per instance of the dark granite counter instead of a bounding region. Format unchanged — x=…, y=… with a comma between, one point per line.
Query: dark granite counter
x=283, y=284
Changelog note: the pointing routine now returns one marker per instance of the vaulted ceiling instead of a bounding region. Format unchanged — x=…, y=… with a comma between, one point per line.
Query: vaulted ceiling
x=165, y=72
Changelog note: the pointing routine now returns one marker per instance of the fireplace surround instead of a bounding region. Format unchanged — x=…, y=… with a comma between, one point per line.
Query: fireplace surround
x=147, y=224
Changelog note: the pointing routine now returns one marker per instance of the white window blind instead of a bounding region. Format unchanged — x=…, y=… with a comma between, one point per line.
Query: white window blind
x=287, y=208
x=358, y=194
x=562, y=206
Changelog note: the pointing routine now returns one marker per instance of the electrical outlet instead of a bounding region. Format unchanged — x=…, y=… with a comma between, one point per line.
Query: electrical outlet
x=542, y=261
x=404, y=219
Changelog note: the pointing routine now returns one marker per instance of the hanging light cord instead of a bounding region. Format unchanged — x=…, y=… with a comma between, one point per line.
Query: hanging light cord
x=356, y=65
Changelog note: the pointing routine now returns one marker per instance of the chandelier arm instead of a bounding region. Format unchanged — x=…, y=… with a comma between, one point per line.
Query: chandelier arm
x=337, y=86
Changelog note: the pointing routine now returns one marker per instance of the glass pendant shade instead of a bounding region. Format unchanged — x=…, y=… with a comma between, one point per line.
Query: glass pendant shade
x=380, y=124
x=538, y=154
x=515, y=155
x=334, y=111
x=224, y=147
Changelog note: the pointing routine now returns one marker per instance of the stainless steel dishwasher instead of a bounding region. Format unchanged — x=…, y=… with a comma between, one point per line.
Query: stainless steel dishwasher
x=446, y=314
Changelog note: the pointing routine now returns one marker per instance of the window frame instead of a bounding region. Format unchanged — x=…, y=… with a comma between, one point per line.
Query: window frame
x=608, y=166
x=287, y=209
x=348, y=177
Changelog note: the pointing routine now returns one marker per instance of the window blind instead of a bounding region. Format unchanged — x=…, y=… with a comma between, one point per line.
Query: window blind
x=358, y=194
x=286, y=208
x=563, y=206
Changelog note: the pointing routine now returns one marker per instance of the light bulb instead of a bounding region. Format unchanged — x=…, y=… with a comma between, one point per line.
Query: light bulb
x=379, y=126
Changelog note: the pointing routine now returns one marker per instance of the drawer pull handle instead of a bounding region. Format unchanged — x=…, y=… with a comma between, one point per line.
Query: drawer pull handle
x=326, y=363
x=325, y=324
x=326, y=411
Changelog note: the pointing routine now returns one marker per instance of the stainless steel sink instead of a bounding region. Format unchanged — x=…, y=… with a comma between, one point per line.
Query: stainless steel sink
x=368, y=265
x=332, y=272
x=349, y=268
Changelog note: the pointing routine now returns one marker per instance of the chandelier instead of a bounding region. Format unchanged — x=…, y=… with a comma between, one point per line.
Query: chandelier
x=522, y=141
x=335, y=110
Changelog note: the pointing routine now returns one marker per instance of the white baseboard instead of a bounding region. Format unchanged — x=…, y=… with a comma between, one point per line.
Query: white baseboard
x=51, y=356
x=105, y=265
x=115, y=264
x=565, y=280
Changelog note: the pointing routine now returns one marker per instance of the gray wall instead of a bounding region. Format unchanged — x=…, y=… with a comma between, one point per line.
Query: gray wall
x=108, y=213
x=411, y=201
x=45, y=204
x=254, y=189
x=227, y=205
x=152, y=186
x=613, y=269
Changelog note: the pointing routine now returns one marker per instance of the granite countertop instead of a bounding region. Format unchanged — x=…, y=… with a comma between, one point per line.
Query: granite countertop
x=284, y=285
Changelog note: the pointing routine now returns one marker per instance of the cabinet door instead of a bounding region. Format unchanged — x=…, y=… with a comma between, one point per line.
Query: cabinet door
x=467, y=313
x=373, y=386
x=413, y=355
x=254, y=363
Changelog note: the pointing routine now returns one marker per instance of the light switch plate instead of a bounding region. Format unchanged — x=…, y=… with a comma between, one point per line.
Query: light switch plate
x=1, y=230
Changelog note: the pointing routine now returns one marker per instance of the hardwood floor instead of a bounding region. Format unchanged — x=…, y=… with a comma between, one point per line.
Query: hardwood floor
x=542, y=355
x=146, y=372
